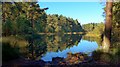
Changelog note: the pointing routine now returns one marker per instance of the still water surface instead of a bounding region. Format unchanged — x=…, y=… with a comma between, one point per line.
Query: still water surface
x=59, y=45
x=83, y=46
x=46, y=47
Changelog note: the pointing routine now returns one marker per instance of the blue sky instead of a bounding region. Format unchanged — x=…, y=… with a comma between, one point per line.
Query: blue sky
x=72, y=0
x=85, y=12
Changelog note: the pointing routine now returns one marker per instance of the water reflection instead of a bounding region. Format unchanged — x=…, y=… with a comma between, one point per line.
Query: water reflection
x=83, y=46
x=46, y=47
x=98, y=40
x=57, y=43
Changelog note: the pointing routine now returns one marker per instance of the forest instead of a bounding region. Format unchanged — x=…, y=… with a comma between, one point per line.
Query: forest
x=94, y=28
x=26, y=18
x=29, y=32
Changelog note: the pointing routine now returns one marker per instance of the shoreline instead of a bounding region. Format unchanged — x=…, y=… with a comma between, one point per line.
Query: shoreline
x=64, y=33
x=92, y=35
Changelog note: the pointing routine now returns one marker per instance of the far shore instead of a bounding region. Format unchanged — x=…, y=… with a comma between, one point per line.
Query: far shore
x=64, y=33
x=92, y=35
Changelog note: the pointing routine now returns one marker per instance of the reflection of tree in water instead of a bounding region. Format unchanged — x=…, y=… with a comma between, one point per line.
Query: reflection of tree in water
x=40, y=44
x=52, y=42
x=56, y=42
x=36, y=47
x=96, y=39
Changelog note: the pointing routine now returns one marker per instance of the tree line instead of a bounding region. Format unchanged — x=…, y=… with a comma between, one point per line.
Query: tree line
x=20, y=18
x=96, y=28
x=59, y=23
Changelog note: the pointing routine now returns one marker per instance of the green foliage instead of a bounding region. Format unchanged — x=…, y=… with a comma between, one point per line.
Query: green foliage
x=22, y=18
x=88, y=27
x=96, y=28
x=26, y=18
x=116, y=22
x=59, y=23
x=116, y=14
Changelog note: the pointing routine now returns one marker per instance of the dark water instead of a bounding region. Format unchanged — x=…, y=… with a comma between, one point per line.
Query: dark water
x=48, y=46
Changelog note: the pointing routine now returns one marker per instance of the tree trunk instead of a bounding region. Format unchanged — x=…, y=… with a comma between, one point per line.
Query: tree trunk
x=108, y=27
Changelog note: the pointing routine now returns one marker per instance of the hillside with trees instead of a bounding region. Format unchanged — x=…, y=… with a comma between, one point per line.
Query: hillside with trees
x=25, y=18
x=94, y=28
x=59, y=23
